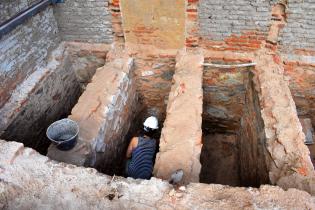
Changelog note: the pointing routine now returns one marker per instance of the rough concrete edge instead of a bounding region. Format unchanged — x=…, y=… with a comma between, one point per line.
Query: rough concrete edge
x=97, y=144
x=195, y=162
x=294, y=173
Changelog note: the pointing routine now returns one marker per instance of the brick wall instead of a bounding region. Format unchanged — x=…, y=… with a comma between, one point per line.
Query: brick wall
x=25, y=49
x=220, y=19
x=253, y=168
x=9, y=8
x=46, y=95
x=154, y=75
x=224, y=96
x=159, y=23
x=242, y=24
x=86, y=21
x=299, y=32
x=179, y=135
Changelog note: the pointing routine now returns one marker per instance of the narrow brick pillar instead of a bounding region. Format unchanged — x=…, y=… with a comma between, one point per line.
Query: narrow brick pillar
x=180, y=143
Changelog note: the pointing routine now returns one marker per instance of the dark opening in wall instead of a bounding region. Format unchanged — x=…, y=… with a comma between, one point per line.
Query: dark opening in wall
x=233, y=138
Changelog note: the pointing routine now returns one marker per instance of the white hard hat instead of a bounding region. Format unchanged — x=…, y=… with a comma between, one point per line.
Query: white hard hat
x=151, y=122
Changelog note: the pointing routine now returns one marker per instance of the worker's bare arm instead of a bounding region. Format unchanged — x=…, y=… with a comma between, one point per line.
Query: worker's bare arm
x=133, y=144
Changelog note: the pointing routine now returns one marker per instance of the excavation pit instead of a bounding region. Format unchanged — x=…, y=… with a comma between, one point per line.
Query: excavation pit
x=233, y=137
x=49, y=94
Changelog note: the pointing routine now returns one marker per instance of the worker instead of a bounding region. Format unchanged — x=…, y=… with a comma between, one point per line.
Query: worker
x=141, y=151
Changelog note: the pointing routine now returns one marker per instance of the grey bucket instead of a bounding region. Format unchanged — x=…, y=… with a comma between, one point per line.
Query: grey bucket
x=63, y=133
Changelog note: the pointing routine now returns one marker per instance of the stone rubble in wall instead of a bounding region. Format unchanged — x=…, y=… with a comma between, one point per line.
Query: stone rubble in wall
x=25, y=49
x=25, y=89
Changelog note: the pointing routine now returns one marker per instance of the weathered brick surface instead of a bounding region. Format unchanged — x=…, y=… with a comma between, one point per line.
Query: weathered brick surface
x=104, y=113
x=219, y=19
x=253, y=155
x=299, y=32
x=289, y=163
x=224, y=96
x=86, y=21
x=159, y=23
x=9, y=8
x=46, y=95
x=25, y=49
x=154, y=75
x=180, y=143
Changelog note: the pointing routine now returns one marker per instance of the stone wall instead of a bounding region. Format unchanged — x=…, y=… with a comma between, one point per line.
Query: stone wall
x=224, y=96
x=85, y=21
x=253, y=155
x=154, y=74
x=48, y=184
x=104, y=113
x=45, y=96
x=25, y=49
x=299, y=31
x=9, y=8
x=85, y=58
x=49, y=93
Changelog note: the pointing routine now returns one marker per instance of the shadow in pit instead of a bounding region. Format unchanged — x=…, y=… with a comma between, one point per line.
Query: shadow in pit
x=233, y=151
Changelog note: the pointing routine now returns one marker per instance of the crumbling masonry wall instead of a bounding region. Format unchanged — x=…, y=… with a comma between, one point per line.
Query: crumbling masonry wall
x=46, y=95
x=299, y=31
x=224, y=96
x=84, y=21
x=8, y=9
x=25, y=49
x=253, y=155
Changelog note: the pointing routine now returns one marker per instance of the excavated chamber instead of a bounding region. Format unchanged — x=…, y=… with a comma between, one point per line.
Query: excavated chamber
x=233, y=151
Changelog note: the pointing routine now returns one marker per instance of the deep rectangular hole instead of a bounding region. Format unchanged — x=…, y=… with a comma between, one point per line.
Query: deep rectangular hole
x=231, y=129
x=53, y=97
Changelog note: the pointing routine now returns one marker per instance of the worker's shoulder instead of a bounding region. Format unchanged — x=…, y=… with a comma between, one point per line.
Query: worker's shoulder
x=134, y=140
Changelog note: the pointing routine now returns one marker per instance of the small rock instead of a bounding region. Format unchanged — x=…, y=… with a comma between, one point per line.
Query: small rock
x=179, y=195
x=171, y=193
x=182, y=188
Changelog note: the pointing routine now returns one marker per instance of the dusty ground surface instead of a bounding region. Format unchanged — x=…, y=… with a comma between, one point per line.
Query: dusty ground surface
x=31, y=181
x=219, y=160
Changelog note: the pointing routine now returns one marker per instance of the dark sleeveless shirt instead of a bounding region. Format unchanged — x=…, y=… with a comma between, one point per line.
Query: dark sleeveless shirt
x=141, y=164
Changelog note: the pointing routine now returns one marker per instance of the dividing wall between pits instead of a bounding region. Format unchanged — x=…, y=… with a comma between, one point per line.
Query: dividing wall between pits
x=180, y=142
